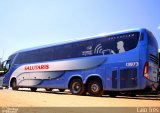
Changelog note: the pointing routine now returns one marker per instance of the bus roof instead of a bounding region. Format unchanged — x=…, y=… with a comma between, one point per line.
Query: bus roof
x=83, y=39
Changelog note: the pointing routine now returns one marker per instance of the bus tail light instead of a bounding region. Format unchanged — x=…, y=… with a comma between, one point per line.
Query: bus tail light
x=146, y=70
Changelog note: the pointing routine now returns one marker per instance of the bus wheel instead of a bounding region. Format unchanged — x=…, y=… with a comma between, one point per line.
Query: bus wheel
x=77, y=87
x=48, y=89
x=95, y=87
x=33, y=89
x=14, y=84
x=61, y=90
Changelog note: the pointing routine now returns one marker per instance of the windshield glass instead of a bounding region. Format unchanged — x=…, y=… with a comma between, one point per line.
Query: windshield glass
x=6, y=65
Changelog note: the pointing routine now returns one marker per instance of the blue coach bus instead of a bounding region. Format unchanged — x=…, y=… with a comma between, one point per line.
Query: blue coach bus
x=125, y=61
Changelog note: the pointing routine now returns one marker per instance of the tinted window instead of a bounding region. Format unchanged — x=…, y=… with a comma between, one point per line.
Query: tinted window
x=112, y=44
x=98, y=46
x=38, y=55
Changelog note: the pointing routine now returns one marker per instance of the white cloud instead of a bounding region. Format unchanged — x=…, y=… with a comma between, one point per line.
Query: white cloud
x=158, y=27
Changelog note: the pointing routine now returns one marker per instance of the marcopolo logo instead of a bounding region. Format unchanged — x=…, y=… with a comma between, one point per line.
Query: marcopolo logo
x=36, y=67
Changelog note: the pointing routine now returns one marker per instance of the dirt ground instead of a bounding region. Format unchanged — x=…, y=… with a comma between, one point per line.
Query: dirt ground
x=41, y=98
x=25, y=101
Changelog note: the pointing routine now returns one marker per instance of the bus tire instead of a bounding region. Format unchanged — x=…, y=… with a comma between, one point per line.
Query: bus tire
x=48, y=89
x=14, y=84
x=61, y=90
x=33, y=89
x=95, y=88
x=77, y=87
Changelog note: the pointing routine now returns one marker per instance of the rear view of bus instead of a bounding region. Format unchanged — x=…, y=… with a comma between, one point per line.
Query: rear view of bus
x=151, y=64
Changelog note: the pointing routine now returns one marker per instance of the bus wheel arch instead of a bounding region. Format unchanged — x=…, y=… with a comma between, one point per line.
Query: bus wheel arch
x=76, y=86
x=13, y=84
x=94, y=86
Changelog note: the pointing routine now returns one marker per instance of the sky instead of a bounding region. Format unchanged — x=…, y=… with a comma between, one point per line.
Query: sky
x=31, y=23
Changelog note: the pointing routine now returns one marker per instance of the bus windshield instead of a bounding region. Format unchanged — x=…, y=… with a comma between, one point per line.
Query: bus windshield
x=6, y=65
